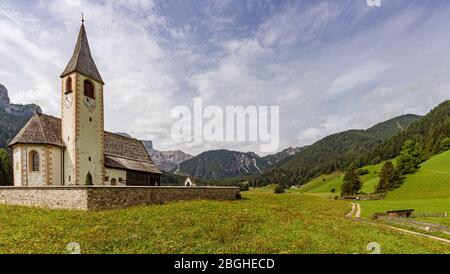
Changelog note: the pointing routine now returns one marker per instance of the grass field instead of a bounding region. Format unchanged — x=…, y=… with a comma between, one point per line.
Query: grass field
x=262, y=222
x=427, y=191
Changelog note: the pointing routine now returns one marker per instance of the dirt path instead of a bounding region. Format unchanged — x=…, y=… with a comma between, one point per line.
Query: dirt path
x=358, y=211
x=355, y=213
x=418, y=234
x=350, y=214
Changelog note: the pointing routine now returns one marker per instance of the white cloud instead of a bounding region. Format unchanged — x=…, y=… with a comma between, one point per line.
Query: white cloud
x=329, y=66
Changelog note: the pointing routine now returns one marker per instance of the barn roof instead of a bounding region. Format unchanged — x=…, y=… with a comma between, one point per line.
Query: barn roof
x=82, y=61
x=120, y=151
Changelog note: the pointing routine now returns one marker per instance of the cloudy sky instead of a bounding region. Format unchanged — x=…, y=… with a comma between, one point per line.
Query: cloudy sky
x=328, y=65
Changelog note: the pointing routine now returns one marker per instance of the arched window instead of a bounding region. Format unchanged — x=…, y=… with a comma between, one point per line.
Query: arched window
x=34, y=157
x=89, y=89
x=113, y=182
x=69, y=85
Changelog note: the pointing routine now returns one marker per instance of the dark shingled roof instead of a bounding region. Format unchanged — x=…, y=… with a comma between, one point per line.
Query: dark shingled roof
x=40, y=129
x=81, y=60
x=120, y=151
x=122, y=163
x=127, y=153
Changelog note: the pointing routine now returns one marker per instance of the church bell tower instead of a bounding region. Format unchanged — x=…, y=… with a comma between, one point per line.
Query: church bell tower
x=82, y=122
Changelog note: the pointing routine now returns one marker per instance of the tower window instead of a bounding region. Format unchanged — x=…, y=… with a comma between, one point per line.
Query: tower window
x=69, y=85
x=90, y=159
x=89, y=89
x=90, y=119
x=34, y=161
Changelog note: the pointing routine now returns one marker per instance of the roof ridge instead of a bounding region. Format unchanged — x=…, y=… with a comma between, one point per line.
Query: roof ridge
x=119, y=135
x=40, y=126
x=128, y=158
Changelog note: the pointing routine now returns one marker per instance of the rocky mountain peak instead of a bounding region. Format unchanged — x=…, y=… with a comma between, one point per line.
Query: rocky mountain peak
x=4, y=98
x=16, y=109
x=167, y=160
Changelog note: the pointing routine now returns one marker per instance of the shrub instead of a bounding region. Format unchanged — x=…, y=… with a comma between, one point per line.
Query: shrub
x=244, y=186
x=333, y=190
x=88, y=181
x=279, y=189
x=363, y=171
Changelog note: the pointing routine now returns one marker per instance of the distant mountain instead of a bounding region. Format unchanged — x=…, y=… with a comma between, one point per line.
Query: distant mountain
x=148, y=145
x=279, y=157
x=16, y=109
x=12, y=117
x=429, y=132
x=223, y=163
x=4, y=99
x=219, y=164
x=167, y=160
x=334, y=152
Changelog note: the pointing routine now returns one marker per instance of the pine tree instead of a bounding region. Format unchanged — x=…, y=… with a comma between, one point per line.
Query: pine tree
x=88, y=181
x=410, y=158
x=445, y=144
x=5, y=168
x=390, y=178
x=352, y=184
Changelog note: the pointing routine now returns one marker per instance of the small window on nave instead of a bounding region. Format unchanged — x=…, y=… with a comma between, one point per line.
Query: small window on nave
x=89, y=90
x=34, y=161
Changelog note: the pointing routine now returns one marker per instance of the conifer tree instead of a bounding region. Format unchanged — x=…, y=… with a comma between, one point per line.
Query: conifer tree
x=390, y=178
x=5, y=168
x=352, y=184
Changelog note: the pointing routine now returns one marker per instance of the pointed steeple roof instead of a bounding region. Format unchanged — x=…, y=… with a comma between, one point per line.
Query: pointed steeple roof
x=81, y=60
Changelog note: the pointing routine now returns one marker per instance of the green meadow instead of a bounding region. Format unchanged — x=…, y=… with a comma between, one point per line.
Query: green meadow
x=261, y=222
x=426, y=191
x=325, y=183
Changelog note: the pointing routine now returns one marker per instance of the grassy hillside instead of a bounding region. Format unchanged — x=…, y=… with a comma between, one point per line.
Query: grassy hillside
x=335, y=152
x=427, y=191
x=325, y=183
x=262, y=222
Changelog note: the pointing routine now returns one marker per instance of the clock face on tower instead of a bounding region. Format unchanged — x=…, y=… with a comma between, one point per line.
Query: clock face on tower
x=89, y=103
x=68, y=100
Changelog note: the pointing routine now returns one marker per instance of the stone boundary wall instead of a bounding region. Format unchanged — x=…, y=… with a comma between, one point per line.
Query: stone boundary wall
x=107, y=197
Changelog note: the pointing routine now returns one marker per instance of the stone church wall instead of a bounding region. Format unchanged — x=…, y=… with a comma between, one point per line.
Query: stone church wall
x=103, y=197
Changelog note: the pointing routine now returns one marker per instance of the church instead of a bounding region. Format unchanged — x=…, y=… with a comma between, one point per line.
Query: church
x=75, y=150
